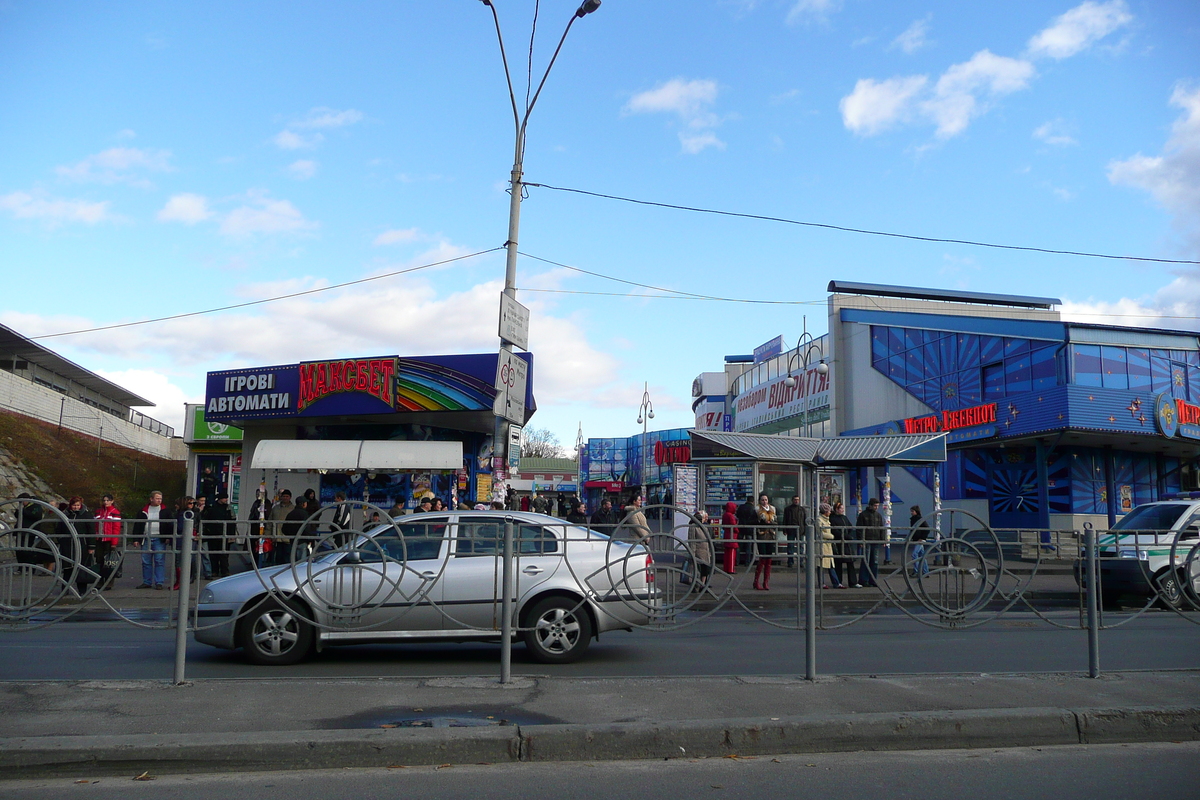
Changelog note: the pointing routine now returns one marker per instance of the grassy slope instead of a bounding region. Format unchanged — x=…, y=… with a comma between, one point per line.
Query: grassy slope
x=69, y=462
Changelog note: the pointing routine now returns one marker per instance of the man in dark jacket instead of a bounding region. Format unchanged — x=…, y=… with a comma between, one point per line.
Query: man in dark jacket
x=218, y=534
x=747, y=516
x=871, y=531
x=605, y=520
x=795, y=520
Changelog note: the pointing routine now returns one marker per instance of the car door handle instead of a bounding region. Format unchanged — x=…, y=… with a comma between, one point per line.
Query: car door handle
x=533, y=570
x=428, y=576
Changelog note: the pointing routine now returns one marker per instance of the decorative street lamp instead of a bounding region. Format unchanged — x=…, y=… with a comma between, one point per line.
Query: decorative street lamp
x=802, y=353
x=645, y=414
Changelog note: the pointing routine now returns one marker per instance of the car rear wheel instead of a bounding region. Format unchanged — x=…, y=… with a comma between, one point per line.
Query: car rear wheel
x=1170, y=593
x=559, y=631
x=274, y=634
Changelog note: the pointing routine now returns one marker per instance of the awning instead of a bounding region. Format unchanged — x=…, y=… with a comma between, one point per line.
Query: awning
x=843, y=451
x=355, y=455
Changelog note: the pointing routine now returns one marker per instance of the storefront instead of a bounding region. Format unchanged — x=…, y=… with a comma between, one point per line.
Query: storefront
x=816, y=470
x=617, y=469
x=1048, y=423
x=214, y=461
x=387, y=430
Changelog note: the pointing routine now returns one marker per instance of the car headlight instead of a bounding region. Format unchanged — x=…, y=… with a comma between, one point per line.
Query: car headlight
x=1141, y=555
x=206, y=596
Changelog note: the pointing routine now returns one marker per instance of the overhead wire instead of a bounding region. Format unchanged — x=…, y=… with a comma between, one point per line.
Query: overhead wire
x=865, y=231
x=264, y=300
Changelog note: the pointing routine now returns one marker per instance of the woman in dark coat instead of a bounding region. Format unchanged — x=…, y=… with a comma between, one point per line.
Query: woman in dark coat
x=844, y=546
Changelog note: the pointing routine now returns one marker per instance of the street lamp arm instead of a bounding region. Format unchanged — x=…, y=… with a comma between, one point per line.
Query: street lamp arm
x=504, y=59
x=545, y=75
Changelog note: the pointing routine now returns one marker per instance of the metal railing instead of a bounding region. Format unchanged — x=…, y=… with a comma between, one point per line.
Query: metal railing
x=310, y=582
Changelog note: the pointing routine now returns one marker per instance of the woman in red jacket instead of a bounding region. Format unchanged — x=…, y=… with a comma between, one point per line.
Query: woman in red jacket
x=729, y=524
x=108, y=540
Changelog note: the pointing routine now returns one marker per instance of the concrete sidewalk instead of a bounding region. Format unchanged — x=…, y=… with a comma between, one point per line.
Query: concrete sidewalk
x=130, y=727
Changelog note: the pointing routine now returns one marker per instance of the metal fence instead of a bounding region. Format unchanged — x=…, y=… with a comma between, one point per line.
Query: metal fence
x=352, y=574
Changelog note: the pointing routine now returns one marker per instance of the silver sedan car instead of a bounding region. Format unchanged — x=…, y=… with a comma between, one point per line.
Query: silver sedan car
x=435, y=576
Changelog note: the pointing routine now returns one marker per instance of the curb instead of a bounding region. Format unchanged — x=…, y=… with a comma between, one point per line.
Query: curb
x=63, y=756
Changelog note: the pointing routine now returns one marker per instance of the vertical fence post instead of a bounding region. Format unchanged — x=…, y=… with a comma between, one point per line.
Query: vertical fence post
x=810, y=601
x=1093, y=599
x=185, y=580
x=506, y=622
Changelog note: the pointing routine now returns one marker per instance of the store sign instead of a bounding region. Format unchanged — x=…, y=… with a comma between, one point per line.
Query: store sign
x=952, y=420
x=374, y=377
x=768, y=349
x=204, y=431
x=1176, y=416
x=251, y=393
x=672, y=452
x=807, y=400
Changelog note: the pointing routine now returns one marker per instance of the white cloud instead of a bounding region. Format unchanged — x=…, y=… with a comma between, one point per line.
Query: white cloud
x=328, y=118
x=690, y=101
x=317, y=119
x=958, y=93
x=914, y=37
x=187, y=208
x=302, y=170
x=693, y=143
x=290, y=140
x=118, y=165
x=262, y=214
x=874, y=106
x=812, y=11
x=1173, y=177
x=156, y=387
x=965, y=90
x=1054, y=132
x=54, y=210
x=1079, y=28
x=397, y=236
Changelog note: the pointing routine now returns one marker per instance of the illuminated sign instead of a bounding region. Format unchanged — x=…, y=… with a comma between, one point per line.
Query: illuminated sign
x=371, y=376
x=807, y=399
x=672, y=452
x=950, y=420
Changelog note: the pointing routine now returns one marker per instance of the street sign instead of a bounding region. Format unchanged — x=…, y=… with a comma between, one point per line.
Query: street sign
x=512, y=376
x=514, y=447
x=514, y=322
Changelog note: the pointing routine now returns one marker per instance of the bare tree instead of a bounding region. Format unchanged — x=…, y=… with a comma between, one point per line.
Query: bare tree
x=540, y=443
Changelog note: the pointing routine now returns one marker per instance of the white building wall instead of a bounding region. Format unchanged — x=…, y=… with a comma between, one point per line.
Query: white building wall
x=33, y=400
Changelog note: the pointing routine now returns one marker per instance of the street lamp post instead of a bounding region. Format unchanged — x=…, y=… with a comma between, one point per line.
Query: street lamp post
x=516, y=187
x=499, y=436
x=804, y=349
x=645, y=414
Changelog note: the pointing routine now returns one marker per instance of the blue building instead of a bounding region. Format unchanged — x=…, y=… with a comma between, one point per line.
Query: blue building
x=1050, y=423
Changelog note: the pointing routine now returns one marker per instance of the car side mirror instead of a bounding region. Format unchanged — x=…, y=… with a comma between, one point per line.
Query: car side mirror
x=352, y=557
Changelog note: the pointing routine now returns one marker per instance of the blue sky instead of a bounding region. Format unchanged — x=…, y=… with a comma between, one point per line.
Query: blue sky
x=164, y=158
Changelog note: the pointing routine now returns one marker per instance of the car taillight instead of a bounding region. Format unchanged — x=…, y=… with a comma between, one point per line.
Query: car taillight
x=649, y=568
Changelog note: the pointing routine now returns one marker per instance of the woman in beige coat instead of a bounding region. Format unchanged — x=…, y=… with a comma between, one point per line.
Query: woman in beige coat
x=825, y=531
x=700, y=547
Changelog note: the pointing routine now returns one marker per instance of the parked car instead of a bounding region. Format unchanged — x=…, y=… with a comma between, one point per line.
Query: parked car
x=1153, y=550
x=436, y=576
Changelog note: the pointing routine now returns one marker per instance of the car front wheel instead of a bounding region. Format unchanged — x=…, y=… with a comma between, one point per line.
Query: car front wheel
x=1170, y=593
x=559, y=631
x=274, y=634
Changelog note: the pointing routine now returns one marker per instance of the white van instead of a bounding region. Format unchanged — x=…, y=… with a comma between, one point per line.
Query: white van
x=1154, y=549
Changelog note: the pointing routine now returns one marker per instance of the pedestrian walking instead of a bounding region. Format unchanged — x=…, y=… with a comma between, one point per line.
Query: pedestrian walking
x=729, y=530
x=825, y=541
x=795, y=520
x=152, y=533
x=109, y=550
x=764, y=542
x=845, y=548
x=918, y=532
x=872, y=533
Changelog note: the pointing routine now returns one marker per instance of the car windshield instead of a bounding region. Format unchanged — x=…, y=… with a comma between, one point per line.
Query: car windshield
x=1151, y=518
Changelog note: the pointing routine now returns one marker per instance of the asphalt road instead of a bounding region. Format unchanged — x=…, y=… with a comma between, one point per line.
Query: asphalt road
x=728, y=643
x=1085, y=772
